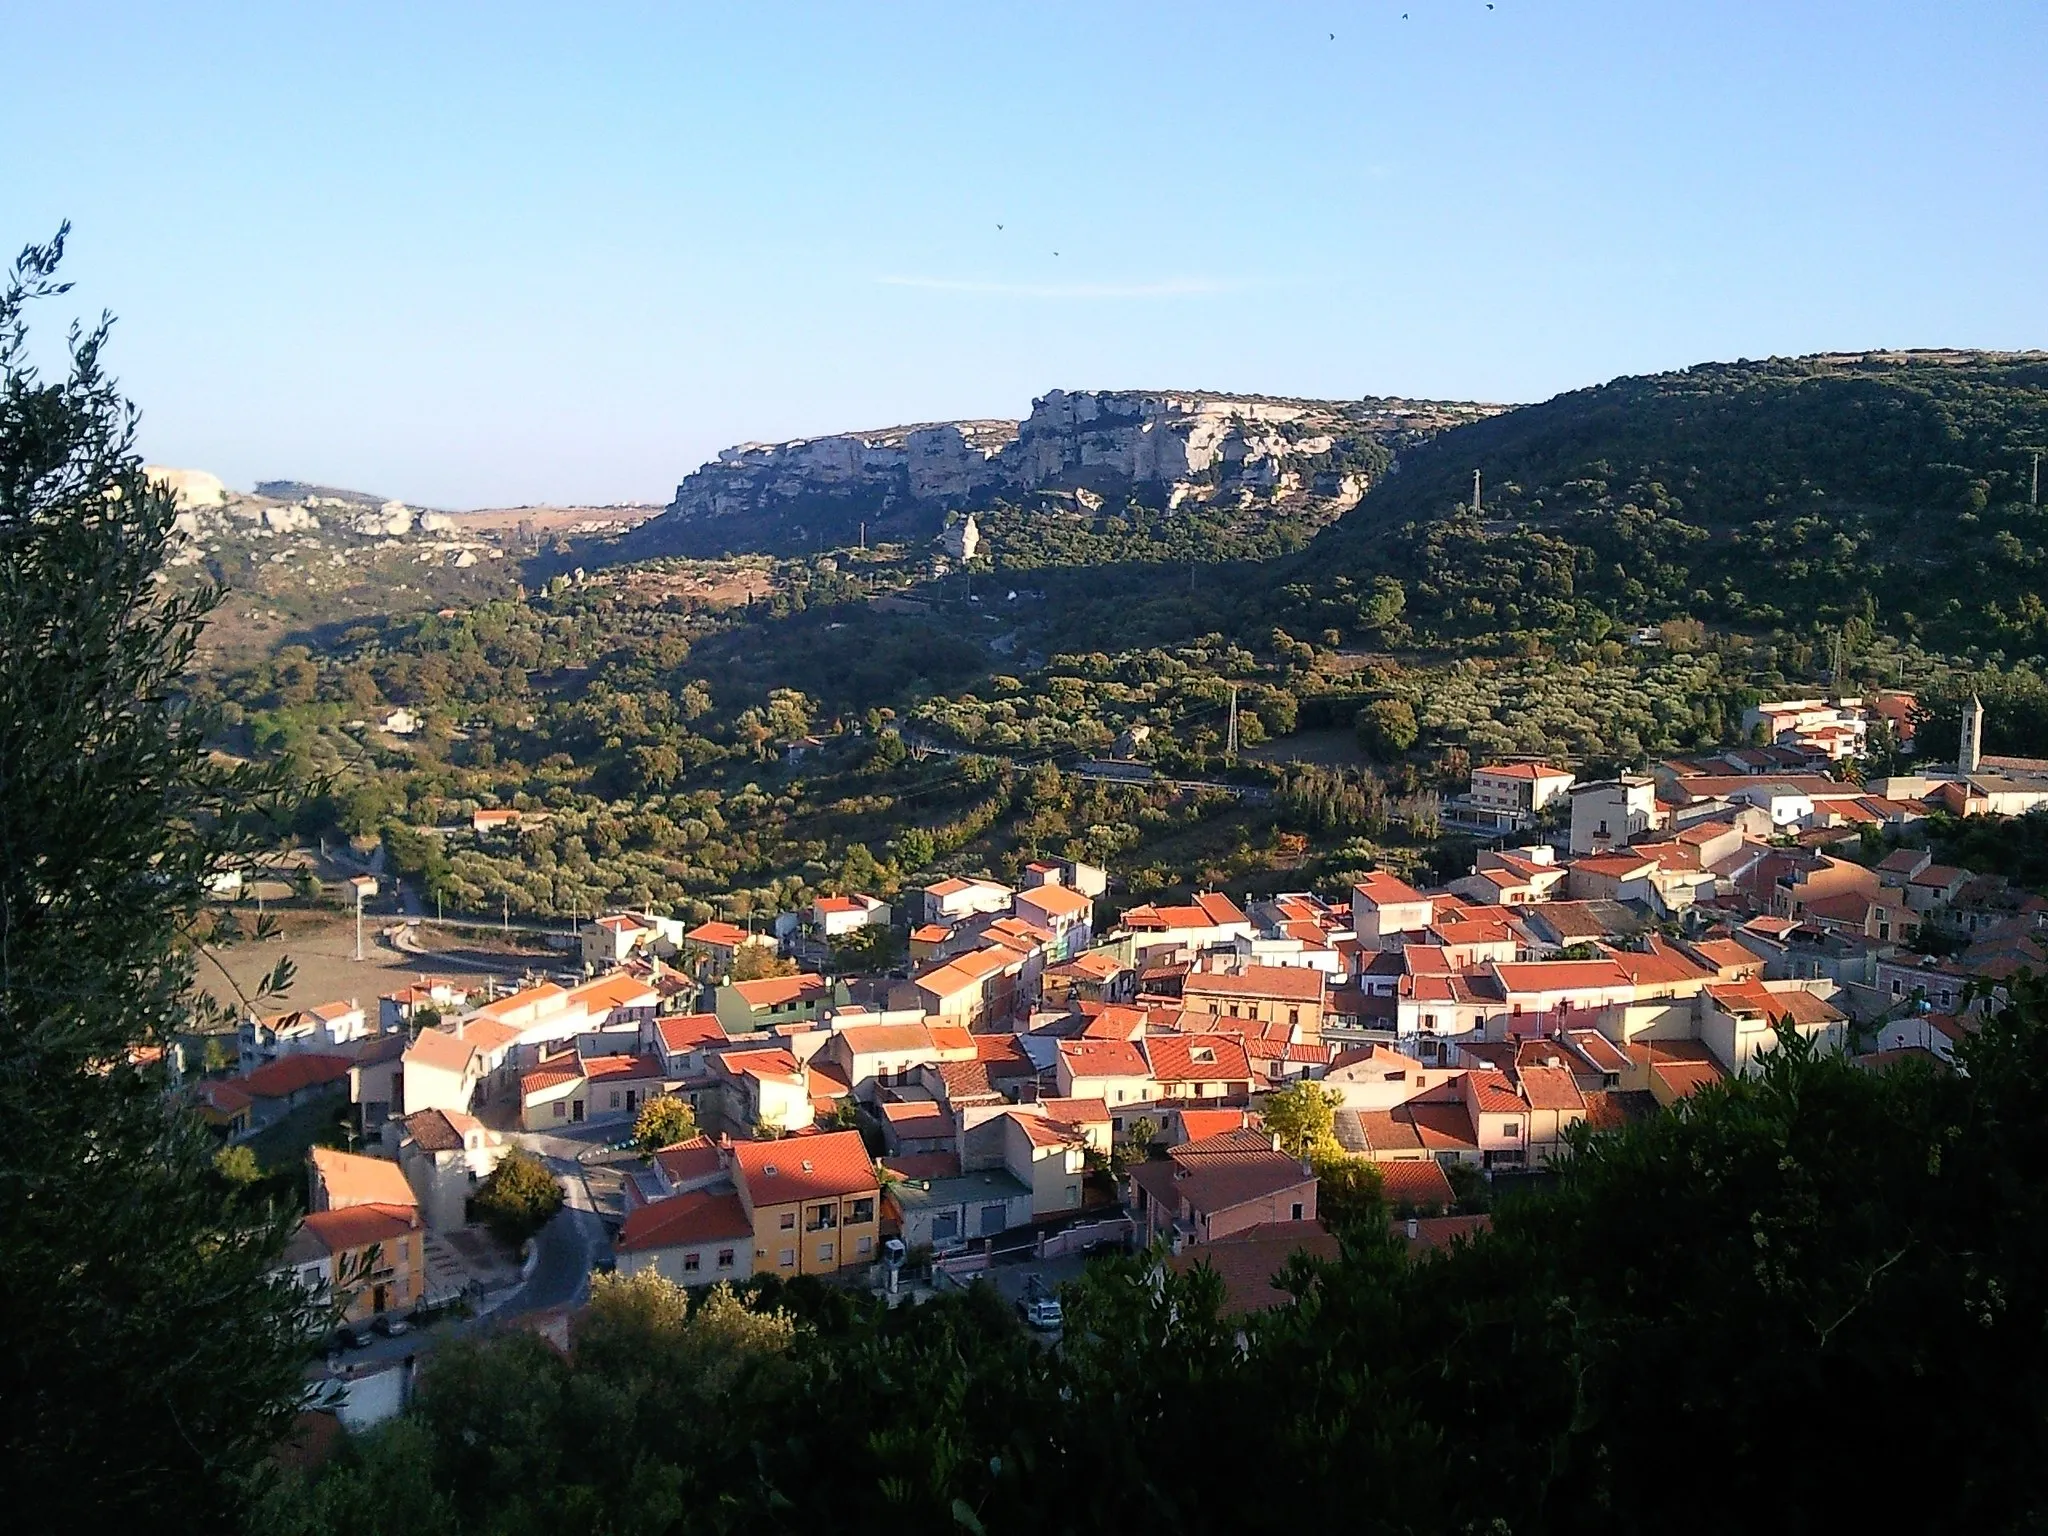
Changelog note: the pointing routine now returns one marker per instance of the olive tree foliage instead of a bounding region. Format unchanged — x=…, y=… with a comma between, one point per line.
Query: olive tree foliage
x=149, y=1363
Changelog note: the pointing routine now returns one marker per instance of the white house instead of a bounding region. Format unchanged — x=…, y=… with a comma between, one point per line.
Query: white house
x=1610, y=812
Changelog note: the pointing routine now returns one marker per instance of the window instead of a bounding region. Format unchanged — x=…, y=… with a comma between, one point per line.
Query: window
x=1297, y=1210
x=863, y=1247
x=691, y=1263
x=824, y=1253
x=1294, y=1015
x=786, y=1259
x=863, y=1210
x=561, y=1110
x=725, y=1258
x=1512, y=1130
x=823, y=1218
x=615, y=1099
x=788, y=1221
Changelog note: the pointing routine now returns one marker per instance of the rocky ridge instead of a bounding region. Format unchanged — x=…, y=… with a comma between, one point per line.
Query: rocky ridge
x=1167, y=445
x=214, y=521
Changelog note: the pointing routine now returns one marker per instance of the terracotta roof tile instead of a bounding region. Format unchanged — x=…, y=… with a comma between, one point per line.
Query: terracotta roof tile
x=803, y=1168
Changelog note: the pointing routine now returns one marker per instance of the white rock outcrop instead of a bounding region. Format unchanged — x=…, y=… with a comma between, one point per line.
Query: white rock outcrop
x=1183, y=443
x=193, y=489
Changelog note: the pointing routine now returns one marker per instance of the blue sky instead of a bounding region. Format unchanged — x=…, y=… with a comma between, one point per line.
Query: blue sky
x=505, y=253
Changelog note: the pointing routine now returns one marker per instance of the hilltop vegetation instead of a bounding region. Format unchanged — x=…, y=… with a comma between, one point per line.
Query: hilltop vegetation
x=1890, y=487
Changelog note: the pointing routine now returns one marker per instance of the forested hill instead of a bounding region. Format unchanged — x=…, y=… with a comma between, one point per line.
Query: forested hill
x=1893, y=485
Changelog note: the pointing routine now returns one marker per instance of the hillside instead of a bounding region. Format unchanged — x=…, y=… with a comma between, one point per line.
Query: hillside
x=1075, y=450
x=1892, y=486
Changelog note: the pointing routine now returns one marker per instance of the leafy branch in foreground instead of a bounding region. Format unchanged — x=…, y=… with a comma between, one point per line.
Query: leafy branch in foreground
x=150, y=1362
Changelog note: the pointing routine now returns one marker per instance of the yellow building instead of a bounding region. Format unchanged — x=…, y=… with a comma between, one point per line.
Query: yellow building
x=814, y=1202
x=369, y=1259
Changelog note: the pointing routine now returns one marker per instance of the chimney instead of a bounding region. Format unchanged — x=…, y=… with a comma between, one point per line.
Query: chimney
x=1276, y=1141
x=1414, y=1229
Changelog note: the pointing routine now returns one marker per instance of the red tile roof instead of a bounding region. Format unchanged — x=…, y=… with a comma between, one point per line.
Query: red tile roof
x=1201, y=1124
x=1210, y=909
x=1753, y=998
x=357, y=1226
x=352, y=1179
x=293, y=1074
x=1103, y=1058
x=685, y=1220
x=887, y=1039
x=924, y=1165
x=1433, y=1232
x=1494, y=1094
x=772, y=991
x=443, y=1049
x=1563, y=976
x=607, y=1069
x=688, y=1161
x=1551, y=1088
x=806, y=1168
x=1247, y=1262
x=687, y=1031
x=1383, y=889
x=1196, y=1058
x=1055, y=901
x=1416, y=1183
x=1285, y=983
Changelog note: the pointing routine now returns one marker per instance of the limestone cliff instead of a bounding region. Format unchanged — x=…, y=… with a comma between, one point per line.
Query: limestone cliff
x=1171, y=445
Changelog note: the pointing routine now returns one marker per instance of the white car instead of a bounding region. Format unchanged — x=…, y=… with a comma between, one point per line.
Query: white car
x=1041, y=1312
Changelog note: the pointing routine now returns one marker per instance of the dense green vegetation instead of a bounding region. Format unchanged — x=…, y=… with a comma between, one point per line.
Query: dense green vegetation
x=149, y=1363
x=1776, y=1279
x=1895, y=488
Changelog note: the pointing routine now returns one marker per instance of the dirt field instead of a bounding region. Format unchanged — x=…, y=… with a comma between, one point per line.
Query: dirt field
x=718, y=583
x=322, y=946
x=553, y=519
x=1329, y=748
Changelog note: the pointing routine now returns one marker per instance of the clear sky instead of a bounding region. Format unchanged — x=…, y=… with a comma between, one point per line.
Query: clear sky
x=506, y=252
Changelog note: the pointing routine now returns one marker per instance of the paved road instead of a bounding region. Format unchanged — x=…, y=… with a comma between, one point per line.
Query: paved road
x=567, y=1249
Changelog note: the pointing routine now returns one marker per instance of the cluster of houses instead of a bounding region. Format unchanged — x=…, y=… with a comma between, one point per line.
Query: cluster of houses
x=1035, y=1042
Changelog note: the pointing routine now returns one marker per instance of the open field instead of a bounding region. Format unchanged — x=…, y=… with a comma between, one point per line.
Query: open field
x=322, y=946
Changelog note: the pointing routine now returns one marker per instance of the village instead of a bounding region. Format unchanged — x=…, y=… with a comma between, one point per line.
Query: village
x=1049, y=1076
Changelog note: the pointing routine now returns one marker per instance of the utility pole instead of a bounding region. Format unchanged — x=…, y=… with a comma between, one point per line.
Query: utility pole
x=1230, y=750
x=505, y=914
x=359, y=922
x=1475, y=493
x=863, y=534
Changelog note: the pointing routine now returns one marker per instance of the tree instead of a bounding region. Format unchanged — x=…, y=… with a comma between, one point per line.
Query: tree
x=1303, y=1116
x=1136, y=1146
x=520, y=1196
x=238, y=1165
x=754, y=962
x=663, y=1121
x=1387, y=728
x=150, y=1363
x=1348, y=1192
x=867, y=950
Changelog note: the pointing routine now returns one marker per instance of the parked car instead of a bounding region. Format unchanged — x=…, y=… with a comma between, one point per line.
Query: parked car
x=1042, y=1312
x=391, y=1325
x=1037, y=1307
